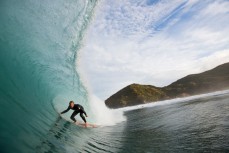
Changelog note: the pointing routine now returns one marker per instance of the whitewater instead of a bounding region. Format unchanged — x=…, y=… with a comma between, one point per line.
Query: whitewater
x=40, y=43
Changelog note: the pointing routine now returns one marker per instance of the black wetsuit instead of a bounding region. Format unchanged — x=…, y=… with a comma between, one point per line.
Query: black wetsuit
x=77, y=109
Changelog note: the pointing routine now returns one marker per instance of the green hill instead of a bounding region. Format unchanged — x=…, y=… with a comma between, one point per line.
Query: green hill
x=209, y=81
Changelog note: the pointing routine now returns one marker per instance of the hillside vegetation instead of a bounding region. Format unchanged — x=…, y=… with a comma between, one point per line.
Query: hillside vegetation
x=208, y=81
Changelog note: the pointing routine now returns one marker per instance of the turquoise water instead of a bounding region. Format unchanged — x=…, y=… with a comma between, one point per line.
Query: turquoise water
x=39, y=46
x=39, y=43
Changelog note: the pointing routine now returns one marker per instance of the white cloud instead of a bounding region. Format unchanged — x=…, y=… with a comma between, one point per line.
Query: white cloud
x=132, y=18
x=121, y=48
x=216, y=8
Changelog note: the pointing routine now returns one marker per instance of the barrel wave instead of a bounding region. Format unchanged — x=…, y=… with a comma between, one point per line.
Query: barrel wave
x=40, y=42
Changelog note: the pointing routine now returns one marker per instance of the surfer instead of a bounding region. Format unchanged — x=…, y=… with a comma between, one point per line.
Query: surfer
x=77, y=109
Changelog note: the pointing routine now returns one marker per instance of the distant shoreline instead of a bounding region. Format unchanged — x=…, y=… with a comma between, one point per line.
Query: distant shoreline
x=173, y=101
x=216, y=79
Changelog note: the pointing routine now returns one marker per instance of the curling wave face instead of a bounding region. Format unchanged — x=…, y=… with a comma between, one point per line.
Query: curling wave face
x=39, y=43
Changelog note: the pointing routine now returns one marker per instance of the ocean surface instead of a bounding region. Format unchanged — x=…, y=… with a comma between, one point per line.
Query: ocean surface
x=195, y=124
x=40, y=43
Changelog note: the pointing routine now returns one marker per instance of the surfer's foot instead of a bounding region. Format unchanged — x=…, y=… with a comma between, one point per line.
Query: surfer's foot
x=85, y=124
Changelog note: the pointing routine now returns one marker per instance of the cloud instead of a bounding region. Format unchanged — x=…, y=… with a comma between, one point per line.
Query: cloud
x=216, y=8
x=153, y=42
x=131, y=18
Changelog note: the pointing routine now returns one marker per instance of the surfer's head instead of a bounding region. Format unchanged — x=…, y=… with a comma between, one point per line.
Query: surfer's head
x=71, y=104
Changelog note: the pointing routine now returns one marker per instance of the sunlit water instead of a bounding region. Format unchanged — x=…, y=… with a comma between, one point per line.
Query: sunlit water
x=195, y=125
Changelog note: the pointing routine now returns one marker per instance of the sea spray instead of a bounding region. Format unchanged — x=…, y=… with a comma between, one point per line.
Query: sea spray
x=103, y=115
x=98, y=111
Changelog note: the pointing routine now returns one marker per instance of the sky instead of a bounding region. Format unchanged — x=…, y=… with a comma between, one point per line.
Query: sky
x=153, y=42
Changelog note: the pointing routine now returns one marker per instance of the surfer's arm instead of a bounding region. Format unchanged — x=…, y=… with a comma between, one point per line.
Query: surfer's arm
x=84, y=112
x=82, y=109
x=65, y=110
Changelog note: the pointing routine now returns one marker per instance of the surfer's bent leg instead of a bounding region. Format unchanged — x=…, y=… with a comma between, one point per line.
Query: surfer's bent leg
x=81, y=115
x=73, y=115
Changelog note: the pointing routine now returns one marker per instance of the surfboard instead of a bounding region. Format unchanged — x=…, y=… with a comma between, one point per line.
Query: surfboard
x=89, y=125
x=82, y=124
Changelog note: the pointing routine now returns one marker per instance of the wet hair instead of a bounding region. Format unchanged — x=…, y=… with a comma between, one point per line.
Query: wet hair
x=71, y=102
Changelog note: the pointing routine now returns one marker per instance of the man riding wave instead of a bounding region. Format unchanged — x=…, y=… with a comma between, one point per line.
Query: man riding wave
x=77, y=109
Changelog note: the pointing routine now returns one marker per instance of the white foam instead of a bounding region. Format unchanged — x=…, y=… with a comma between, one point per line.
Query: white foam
x=97, y=113
x=103, y=115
